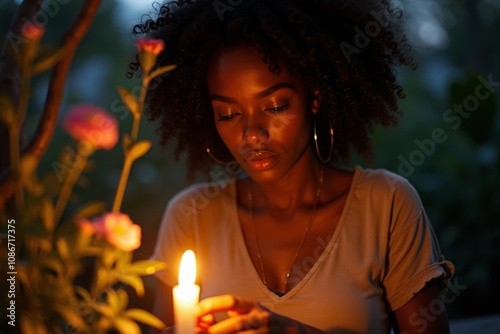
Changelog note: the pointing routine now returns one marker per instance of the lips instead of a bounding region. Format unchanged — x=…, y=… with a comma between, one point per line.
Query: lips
x=261, y=160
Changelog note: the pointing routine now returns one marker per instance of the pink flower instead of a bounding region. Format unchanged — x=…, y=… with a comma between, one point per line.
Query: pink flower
x=92, y=124
x=150, y=45
x=32, y=31
x=117, y=228
x=90, y=228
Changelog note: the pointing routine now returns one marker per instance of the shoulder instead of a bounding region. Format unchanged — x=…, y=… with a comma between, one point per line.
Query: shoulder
x=389, y=197
x=203, y=194
x=386, y=184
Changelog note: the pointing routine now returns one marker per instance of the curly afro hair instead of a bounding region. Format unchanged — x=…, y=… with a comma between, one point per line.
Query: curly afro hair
x=347, y=50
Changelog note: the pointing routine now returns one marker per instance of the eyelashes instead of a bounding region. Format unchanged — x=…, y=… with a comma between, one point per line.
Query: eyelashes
x=275, y=110
x=278, y=110
x=226, y=117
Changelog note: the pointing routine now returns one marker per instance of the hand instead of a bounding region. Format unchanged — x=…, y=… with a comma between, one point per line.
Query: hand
x=245, y=315
x=169, y=330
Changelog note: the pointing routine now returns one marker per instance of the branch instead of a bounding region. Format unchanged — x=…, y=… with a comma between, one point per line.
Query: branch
x=71, y=40
x=10, y=83
x=47, y=124
x=10, y=72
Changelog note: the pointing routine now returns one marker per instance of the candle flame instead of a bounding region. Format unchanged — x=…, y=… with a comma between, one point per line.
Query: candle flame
x=187, y=271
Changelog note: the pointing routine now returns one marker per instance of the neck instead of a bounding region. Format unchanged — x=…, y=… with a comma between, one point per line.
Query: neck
x=297, y=188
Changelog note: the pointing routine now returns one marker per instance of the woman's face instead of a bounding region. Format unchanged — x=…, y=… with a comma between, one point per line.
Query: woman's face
x=263, y=118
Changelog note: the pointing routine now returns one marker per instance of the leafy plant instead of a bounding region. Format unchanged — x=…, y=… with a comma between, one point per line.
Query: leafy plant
x=71, y=269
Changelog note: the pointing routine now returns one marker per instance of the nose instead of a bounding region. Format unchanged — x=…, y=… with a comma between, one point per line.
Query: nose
x=255, y=134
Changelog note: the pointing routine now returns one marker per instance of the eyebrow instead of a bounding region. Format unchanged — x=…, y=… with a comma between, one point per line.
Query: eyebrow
x=258, y=95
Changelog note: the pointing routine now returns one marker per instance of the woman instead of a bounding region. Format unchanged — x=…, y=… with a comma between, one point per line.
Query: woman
x=286, y=240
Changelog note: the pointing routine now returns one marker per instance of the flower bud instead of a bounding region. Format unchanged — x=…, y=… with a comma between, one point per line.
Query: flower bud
x=32, y=32
x=149, y=49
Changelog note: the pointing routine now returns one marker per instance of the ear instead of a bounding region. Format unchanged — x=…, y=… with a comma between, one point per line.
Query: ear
x=316, y=101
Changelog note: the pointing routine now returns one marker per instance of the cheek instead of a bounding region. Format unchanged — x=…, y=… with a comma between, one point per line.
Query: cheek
x=283, y=123
x=289, y=126
x=227, y=134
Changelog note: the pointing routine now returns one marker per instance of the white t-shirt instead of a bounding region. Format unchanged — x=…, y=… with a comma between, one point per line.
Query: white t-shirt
x=382, y=252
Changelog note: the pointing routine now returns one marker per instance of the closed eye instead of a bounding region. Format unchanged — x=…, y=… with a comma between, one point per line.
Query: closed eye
x=278, y=109
x=226, y=117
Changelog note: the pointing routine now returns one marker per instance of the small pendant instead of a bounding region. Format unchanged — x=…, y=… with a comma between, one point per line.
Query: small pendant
x=278, y=292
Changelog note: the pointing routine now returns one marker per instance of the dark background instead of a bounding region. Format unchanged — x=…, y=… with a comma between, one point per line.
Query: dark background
x=457, y=174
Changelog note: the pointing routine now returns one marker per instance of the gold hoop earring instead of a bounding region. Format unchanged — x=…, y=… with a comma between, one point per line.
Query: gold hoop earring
x=220, y=162
x=317, y=146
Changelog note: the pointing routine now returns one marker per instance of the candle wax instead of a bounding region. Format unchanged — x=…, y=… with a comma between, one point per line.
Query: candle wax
x=186, y=295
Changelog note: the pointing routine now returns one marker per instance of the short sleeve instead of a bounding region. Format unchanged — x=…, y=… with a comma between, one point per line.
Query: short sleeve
x=413, y=255
x=175, y=235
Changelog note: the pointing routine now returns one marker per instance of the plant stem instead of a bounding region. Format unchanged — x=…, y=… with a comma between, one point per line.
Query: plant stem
x=69, y=182
x=15, y=164
x=137, y=119
x=120, y=191
x=15, y=130
x=127, y=165
x=94, y=288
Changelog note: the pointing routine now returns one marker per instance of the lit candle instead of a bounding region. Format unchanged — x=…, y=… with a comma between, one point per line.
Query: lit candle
x=186, y=295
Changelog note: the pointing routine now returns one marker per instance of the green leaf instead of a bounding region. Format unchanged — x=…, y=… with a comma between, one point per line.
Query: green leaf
x=145, y=318
x=126, y=326
x=48, y=61
x=88, y=210
x=145, y=267
x=162, y=70
x=91, y=251
x=123, y=300
x=105, y=310
x=23, y=277
x=83, y=293
x=109, y=256
x=134, y=281
x=63, y=248
x=130, y=101
x=47, y=214
x=52, y=264
x=113, y=300
x=82, y=244
x=123, y=261
x=31, y=323
x=41, y=242
x=102, y=278
x=117, y=300
x=71, y=316
x=103, y=325
x=28, y=165
x=139, y=149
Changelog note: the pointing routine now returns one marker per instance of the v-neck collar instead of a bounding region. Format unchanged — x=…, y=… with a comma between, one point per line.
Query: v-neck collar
x=246, y=255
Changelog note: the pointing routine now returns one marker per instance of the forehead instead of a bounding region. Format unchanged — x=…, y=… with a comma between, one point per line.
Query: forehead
x=241, y=68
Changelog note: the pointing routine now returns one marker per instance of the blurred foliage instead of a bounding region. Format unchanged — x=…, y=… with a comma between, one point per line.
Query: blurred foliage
x=458, y=178
x=459, y=181
x=68, y=273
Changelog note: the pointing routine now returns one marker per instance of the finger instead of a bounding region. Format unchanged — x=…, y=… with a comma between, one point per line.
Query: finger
x=206, y=321
x=169, y=330
x=253, y=322
x=224, y=303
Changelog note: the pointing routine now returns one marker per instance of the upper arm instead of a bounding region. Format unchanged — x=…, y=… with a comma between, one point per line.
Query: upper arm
x=424, y=313
x=412, y=256
x=163, y=304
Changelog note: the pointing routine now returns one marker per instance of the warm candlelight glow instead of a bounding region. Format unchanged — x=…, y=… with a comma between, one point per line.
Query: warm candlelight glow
x=186, y=295
x=187, y=271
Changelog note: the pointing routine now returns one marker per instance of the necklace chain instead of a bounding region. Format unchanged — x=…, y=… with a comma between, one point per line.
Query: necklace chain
x=308, y=228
